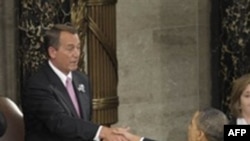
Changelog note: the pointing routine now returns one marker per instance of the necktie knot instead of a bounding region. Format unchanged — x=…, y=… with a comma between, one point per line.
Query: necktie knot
x=68, y=81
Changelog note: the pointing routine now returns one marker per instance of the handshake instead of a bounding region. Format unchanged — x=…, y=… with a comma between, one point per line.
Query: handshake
x=118, y=134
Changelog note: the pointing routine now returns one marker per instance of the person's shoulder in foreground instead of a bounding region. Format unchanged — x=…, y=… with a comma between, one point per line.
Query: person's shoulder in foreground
x=146, y=139
x=3, y=124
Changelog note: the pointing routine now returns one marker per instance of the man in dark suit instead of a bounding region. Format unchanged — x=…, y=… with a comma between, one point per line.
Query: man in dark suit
x=55, y=109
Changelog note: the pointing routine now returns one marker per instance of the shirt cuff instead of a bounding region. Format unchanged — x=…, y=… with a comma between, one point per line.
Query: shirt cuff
x=97, y=138
x=142, y=138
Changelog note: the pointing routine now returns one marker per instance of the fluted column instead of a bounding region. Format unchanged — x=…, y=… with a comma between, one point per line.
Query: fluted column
x=102, y=61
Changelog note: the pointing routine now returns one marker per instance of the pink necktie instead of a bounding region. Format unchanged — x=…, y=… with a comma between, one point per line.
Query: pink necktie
x=72, y=94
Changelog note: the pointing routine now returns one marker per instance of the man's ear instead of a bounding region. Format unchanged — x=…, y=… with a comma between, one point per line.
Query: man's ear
x=201, y=136
x=52, y=52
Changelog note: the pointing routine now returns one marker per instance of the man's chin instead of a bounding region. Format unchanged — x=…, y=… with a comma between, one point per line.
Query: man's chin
x=73, y=68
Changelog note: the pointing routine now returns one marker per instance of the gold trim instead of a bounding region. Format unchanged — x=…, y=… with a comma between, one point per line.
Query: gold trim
x=107, y=102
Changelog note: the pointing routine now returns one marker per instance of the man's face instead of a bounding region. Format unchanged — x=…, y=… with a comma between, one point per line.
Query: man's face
x=66, y=56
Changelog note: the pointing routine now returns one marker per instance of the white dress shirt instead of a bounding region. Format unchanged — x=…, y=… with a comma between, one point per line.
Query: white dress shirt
x=241, y=121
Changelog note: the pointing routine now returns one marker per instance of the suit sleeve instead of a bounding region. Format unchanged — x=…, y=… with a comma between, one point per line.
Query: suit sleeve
x=147, y=139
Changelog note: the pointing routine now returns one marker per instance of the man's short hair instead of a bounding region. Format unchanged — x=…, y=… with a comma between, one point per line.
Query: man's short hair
x=52, y=36
x=211, y=121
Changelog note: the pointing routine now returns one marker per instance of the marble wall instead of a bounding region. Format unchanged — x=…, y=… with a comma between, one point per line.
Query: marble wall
x=164, y=65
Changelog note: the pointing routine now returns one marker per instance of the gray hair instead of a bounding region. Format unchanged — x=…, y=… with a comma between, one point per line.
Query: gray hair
x=211, y=121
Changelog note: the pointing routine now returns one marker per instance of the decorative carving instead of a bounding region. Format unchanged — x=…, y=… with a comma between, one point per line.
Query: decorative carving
x=235, y=45
x=34, y=17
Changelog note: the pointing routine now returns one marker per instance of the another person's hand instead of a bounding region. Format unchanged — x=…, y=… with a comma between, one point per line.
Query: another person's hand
x=108, y=134
x=124, y=132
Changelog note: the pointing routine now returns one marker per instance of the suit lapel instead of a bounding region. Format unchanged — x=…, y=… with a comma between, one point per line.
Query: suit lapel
x=60, y=90
x=83, y=99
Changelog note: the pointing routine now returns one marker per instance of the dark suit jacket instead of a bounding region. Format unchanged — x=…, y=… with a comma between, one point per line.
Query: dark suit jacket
x=147, y=139
x=49, y=114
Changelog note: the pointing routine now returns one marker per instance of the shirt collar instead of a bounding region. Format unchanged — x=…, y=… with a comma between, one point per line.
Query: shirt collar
x=241, y=121
x=60, y=74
